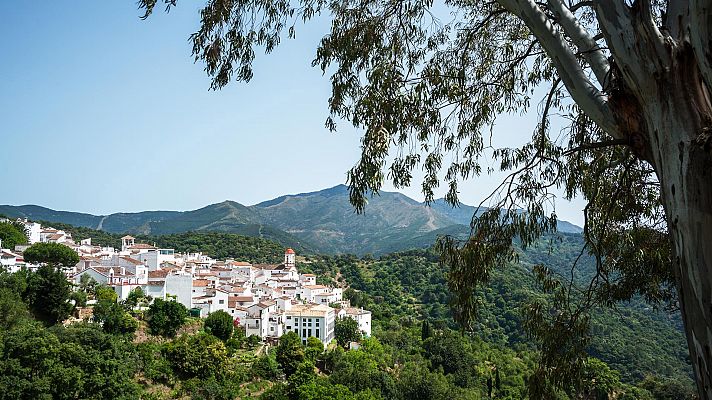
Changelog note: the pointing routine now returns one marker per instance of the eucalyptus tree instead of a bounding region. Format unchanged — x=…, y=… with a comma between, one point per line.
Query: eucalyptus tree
x=628, y=80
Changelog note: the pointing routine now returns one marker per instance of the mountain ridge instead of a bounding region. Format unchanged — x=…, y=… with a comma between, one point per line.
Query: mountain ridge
x=322, y=220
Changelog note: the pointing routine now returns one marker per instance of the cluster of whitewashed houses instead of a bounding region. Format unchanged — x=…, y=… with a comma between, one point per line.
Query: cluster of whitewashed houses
x=267, y=300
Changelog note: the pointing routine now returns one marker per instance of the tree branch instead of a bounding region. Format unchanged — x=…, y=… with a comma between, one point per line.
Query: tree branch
x=547, y=105
x=597, y=145
x=581, y=4
x=582, y=39
x=582, y=90
x=637, y=45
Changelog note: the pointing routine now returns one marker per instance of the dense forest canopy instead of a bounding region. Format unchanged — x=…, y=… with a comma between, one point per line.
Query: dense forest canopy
x=631, y=81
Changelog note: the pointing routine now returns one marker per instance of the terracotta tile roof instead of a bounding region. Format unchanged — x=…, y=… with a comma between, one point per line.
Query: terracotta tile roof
x=6, y=254
x=233, y=304
x=159, y=273
x=131, y=260
x=241, y=264
x=200, y=282
x=106, y=271
x=128, y=237
x=307, y=310
x=142, y=246
x=241, y=299
x=265, y=266
x=356, y=311
x=312, y=287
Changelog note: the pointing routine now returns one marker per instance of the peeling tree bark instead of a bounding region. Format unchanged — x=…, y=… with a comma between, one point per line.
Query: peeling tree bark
x=683, y=162
x=680, y=134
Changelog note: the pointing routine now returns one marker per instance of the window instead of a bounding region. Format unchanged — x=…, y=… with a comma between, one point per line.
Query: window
x=304, y=333
x=222, y=301
x=317, y=322
x=317, y=333
x=289, y=327
x=289, y=317
x=309, y=332
x=271, y=328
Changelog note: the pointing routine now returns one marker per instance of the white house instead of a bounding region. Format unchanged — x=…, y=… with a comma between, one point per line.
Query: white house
x=307, y=279
x=308, y=292
x=10, y=261
x=215, y=300
x=33, y=230
x=363, y=317
x=307, y=320
x=334, y=295
x=180, y=286
x=262, y=320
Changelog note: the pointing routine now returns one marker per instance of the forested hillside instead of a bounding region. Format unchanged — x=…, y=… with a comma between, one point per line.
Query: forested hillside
x=414, y=353
x=415, y=337
x=635, y=339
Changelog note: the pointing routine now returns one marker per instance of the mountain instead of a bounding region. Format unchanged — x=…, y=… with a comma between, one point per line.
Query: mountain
x=38, y=213
x=323, y=221
x=462, y=214
x=327, y=219
x=227, y=216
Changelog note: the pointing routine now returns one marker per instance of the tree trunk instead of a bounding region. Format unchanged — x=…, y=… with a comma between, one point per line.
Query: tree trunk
x=688, y=203
x=680, y=149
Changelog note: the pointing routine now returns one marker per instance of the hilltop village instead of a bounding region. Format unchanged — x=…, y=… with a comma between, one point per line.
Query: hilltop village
x=267, y=300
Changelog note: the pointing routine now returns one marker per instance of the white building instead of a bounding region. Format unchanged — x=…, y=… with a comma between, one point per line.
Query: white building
x=333, y=295
x=309, y=292
x=363, y=317
x=307, y=279
x=10, y=261
x=307, y=320
x=262, y=320
x=33, y=230
x=215, y=300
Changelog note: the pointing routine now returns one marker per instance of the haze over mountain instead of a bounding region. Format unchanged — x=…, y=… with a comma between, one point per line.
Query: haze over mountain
x=323, y=221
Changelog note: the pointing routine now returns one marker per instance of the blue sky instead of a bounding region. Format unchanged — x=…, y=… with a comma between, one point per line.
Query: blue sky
x=102, y=112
